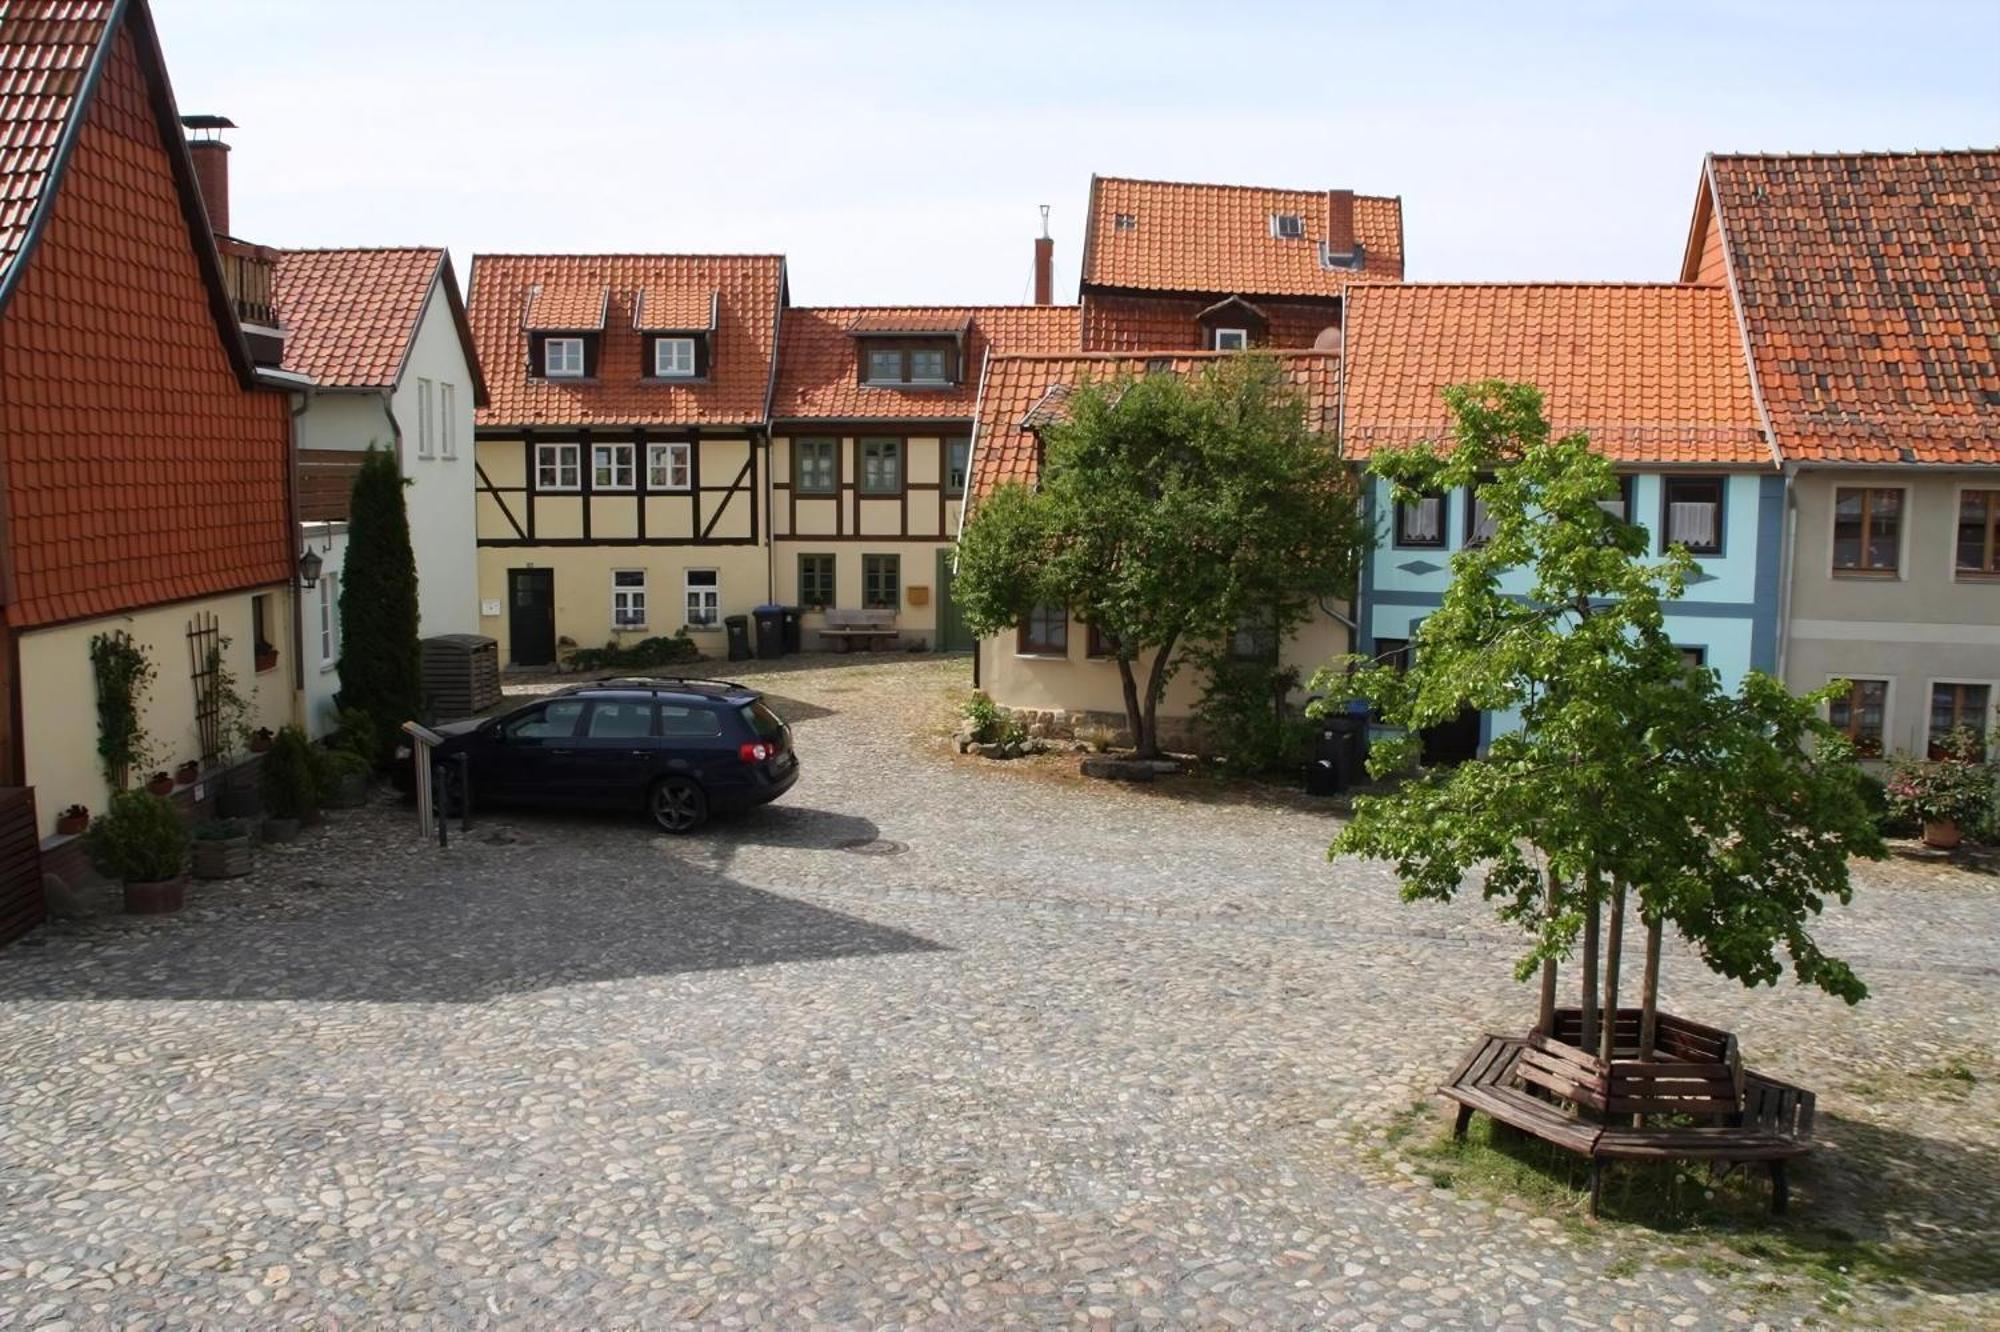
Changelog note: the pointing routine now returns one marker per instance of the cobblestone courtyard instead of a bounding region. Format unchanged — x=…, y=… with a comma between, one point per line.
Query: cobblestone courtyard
x=931, y=1042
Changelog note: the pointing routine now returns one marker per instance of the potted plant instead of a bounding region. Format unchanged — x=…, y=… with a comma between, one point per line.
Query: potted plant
x=260, y=740
x=267, y=657
x=1944, y=793
x=143, y=843
x=188, y=773
x=160, y=783
x=221, y=849
x=343, y=778
x=291, y=785
x=74, y=820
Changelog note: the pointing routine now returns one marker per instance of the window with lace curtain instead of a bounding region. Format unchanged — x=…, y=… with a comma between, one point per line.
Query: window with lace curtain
x=1421, y=521
x=1693, y=513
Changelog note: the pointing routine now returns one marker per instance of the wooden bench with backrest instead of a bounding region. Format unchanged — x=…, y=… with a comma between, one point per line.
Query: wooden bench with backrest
x=1639, y=1109
x=868, y=627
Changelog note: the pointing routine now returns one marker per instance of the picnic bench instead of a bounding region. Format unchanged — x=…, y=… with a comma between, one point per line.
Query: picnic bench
x=867, y=627
x=1637, y=1109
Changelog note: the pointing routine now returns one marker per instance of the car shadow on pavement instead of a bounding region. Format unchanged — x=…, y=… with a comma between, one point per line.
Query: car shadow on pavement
x=494, y=918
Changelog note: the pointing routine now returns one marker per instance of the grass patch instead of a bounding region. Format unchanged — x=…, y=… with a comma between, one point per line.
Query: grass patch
x=1956, y=1075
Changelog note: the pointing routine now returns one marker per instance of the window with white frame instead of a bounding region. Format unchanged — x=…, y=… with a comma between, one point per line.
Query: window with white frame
x=881, y=466
x=673, y=358
x=426, y=444
x=329, y=621
x=562, y=358
x=1232, y=339
x=611, y=466
x=957, y=460
x=628, y=599
x=448, y=420
x=704, y=598
x=557, y=466
x=667, y=466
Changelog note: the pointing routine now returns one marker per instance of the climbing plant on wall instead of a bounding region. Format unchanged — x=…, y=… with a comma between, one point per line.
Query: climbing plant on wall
x=124, y=674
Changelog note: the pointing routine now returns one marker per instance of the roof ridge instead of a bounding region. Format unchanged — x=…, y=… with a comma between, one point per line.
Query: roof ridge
x=360, y=249
x=1540, y=284
x=621, y=254
x=1830, y=155
x=920, y=305
x=1265, y=189
x=1156, y=355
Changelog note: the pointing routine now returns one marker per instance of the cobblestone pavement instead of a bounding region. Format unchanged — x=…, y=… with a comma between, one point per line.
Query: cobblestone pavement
x=931, y=1042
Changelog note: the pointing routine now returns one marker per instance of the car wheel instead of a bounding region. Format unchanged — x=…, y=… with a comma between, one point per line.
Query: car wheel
x=678, y=805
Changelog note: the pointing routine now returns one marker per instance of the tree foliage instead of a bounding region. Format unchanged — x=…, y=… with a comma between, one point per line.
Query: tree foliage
x=1168, y=510
x=380, y=667
x=1731, y=817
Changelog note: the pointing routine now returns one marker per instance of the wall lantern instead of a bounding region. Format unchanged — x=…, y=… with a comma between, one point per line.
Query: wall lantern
x=309, y=566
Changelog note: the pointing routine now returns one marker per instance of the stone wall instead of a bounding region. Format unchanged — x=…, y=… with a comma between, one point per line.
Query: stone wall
x=1176, y=733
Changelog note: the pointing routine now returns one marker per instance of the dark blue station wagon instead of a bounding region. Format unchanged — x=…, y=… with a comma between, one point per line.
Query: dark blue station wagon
x=680, y=749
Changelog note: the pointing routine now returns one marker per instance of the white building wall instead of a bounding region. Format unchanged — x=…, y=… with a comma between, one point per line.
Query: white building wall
x=318, y=667
x=440, y=496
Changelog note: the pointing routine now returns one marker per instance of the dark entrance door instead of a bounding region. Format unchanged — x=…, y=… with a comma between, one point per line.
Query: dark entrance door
x=952, y=635
x=531, y=616
x=1454, y=741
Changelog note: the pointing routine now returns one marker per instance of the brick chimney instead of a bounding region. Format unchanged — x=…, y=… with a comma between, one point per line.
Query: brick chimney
x=1045, y=264
x=211, y=166
x=1340, y=222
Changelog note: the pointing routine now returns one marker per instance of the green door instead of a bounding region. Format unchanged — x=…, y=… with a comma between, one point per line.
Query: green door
x=952, y=635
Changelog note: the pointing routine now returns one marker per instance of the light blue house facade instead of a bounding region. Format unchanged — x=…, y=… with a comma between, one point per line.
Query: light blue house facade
x=1654, y=374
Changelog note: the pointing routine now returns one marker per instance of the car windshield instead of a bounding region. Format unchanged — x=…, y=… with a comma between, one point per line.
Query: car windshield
x=763, y=721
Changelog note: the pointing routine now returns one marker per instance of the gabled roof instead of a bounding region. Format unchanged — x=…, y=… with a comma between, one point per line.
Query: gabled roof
x=1654, y=373
x=53, y=54
x=750, y=290
x=1866, y=284
x=350, y=316
x=1220, y=239
x=1021, y=395
x=818, y=374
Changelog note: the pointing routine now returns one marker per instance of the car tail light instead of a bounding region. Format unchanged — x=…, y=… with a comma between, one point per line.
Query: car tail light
x=756, y=751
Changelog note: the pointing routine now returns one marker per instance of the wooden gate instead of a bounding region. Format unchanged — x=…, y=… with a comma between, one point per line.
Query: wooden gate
x=21, y=906
x=952, y=635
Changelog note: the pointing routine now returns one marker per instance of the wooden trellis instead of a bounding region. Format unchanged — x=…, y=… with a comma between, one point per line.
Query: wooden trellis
x=204, y=637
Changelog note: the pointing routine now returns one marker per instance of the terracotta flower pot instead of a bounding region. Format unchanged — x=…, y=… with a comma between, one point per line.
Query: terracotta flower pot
x=157, y=897
x=187, y=774
x=260, y=742
x=72, y=825
x=267, y=661
x=161, y=784
x=1942, y=834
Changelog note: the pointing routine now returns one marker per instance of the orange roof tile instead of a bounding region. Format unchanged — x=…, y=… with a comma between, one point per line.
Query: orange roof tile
x=674, y=309
x=1867, y=285
x=349, y=315
x=1153, y=235
x=565, y=307
x=1654, y=373
x=818, y=376
x=1020, y=395
x=45, y=52
x=736, y=392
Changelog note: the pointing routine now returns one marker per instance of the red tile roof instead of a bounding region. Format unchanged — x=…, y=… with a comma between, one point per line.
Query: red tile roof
x=140, y=468
x=566, y=307
x=350, y=315
x=750, y=290
x=45, y=51
x=1867, y=285
x=1022, y=394
x=1218, y=239
x=674, y=309
x=818, y=376
x=1113, y=323
x=1654, y=373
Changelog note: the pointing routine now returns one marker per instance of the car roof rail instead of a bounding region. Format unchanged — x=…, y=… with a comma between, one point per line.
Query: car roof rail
x=650, y=681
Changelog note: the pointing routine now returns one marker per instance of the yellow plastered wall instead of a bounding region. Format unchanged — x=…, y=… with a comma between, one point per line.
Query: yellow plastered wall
x=583, y=588
x=916, y=617
x=59, y=725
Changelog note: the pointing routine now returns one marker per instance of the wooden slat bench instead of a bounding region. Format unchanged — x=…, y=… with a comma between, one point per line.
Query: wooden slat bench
x=1525, y=1082
x=867, y=627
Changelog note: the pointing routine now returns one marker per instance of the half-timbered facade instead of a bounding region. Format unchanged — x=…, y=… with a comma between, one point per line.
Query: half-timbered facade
x=1169, y=266
x=619, y=469
x=871, y=441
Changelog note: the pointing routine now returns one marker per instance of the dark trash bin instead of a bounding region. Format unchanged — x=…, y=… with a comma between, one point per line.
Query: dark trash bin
x=739, y=636
x=770, y=631
x=1339, y=754
x=792, y=629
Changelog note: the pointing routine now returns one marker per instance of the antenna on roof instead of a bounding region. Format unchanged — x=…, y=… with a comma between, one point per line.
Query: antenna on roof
x=1045, y=222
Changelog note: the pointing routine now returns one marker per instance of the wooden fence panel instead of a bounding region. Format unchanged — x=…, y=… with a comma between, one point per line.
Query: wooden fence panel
x=21, y=905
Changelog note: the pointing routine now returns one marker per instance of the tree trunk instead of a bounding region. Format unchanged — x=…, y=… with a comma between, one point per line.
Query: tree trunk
x=1588, y=1041
x=1156, y=684
x=1649, y=991
x=1134, y=719
x=1545, y=1019
x=1613, y=944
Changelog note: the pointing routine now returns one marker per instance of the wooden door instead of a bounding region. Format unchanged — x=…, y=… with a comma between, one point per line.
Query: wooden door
x=952, y=635
x=531, y=616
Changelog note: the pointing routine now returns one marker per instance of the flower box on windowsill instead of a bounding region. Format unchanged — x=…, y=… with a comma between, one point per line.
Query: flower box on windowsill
x=267, y=660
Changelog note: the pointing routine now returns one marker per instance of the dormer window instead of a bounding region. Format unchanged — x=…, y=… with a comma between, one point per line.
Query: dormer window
x=910, y=362
x=1232, y=339
x=1288, y=226
x=673, y=358
x=562, y=358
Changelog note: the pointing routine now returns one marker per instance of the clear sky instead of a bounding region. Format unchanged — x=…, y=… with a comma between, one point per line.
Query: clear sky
x=898, y=152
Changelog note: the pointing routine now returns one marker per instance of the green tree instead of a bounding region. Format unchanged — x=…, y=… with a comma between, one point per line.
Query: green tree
x=1729, y=817
x=1169, y=510
x=380, y=671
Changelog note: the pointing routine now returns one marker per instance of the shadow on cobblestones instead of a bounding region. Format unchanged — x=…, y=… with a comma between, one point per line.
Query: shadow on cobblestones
x=1927, y=1202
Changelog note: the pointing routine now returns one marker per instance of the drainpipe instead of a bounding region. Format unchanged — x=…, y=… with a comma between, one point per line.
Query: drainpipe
x=1786, y=554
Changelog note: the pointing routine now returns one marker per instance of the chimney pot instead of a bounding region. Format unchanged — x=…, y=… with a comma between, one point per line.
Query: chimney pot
x=211, y=171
